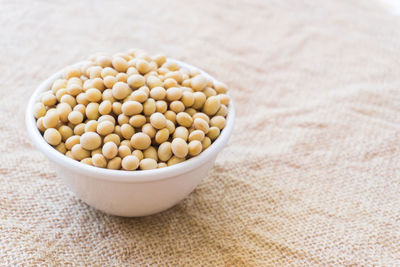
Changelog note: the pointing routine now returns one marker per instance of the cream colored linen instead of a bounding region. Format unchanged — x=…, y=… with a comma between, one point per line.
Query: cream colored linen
x=310, y=176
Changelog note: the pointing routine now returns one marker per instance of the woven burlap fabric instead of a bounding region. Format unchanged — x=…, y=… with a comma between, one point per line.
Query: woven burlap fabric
x=309, y=177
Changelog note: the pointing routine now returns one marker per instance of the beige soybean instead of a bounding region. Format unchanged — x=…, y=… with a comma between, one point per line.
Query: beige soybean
x=218, y=121
x=58, y=84
x=194, y=148
x=71, y=141
x=82, y=99
x=153, y=81
x=151, y=153
x=108, y=71
x=199, y=100
x=124, y=151
x=91, y=126
x=179, y=147
x=93, y=95
x=159, y=59
x=177, y=106
x=140, y=141
x=69, y=154
x=96, y=151
x=209, y=92
x=175, y=160
x=196, y=135
x=181, y=132
x=211, y=105
x=120, y=90
x=63, y=110
x=75, y=117
x=170, y=126
x=184, y=119
x=174, y=93
x=190, y=111
x=106, y=118
x=158, y=93
x=199, y=82
x=90, y=140
x=87, y=161
x=213, y=133
x=139, y=96
x=201, y=115
x=109, y=81
x=200, y=124
x=61, y=148
x=104, y=61
x=65, y=131
x=79, y=129
x=48, y=99
x=69, y=99
x=161, y=106
x=50, y=120
x=52, y=136
x=149, y=130
x=79, y=153
x=158, y=120
x=161, y=136
x=206, y=142
x=74, y=89
x=39, y=124
x=112, y=138
x=136, y=81
x=105, y=128
x=149, y=107
x=92, y=111
x=130, y=163
x=170, y=115
x=188, y=99
x=137, y=121
x=148, y=164
x=220, y=87
x=99, y=160
x=117, y=131
x=122, y=77
x=131, y=70
x=127, y=131
x=224, y=99
x=119, y=64
x=130, y=108
x=94, y=72
x=110, y=150
x=161, y=165
x=117, y=108
x=39, y=110
x=142, y=66
x=187, y=83
x=138, y=153
x=122, y=119
x=81, y=108
x=164, y=151
x=114, y=164
x=61, y=92
x=168, y=83
x=105, y=107
x=126, y=143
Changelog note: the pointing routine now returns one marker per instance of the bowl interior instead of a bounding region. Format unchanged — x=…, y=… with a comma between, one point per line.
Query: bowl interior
x=120, y=175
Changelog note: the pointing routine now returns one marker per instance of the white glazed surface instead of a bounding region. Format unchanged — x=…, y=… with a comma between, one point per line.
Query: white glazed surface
x=128, y=193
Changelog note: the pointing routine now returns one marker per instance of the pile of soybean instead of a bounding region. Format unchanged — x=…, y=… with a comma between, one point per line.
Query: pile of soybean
x=132, y=111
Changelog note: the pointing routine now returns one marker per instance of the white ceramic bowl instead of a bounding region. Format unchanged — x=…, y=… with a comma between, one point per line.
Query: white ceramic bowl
x=128, y=193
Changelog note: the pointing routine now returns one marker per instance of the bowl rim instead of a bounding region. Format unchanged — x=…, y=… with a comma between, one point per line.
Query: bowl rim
x=141, y=176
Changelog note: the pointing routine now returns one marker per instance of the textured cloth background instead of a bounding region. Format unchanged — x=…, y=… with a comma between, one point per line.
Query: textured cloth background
x=310, y=176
